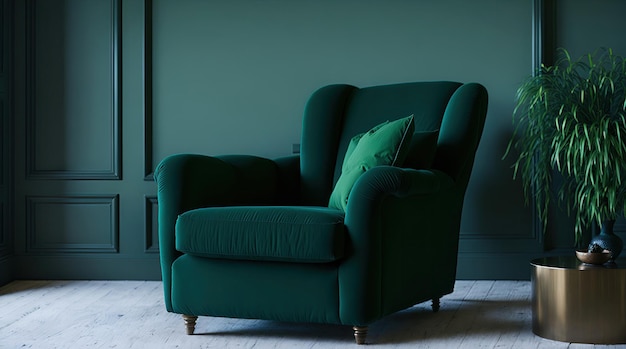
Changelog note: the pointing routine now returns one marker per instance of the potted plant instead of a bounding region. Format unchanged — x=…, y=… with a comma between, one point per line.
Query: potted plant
x=570, y=119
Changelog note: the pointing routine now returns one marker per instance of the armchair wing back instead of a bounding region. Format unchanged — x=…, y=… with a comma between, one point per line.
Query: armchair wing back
x=249, y=237
x=335, y=113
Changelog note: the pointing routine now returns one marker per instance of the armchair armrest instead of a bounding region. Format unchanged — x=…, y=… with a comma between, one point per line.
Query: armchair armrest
x=189, y=181
x=400, y=182
x=384, y=216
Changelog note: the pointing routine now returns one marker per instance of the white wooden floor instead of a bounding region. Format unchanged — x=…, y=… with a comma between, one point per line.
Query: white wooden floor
x=131, y=314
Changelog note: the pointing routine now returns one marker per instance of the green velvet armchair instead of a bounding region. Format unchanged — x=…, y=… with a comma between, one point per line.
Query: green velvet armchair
x=249, y=237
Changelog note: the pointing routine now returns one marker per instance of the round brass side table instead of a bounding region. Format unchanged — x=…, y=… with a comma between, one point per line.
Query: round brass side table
x=579, y=303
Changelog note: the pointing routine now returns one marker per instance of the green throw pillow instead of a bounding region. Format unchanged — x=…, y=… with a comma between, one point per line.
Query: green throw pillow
x=384, y=144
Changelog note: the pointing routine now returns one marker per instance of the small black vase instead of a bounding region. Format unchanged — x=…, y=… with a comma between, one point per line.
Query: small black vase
x=608, y=240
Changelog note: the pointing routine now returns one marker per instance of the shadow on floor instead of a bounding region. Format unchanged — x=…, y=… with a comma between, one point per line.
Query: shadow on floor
x=455, y=319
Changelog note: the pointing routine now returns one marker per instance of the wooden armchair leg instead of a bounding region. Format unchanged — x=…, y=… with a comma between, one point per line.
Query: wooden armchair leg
x=190, y=323
x=360, y=332
x=435, y=305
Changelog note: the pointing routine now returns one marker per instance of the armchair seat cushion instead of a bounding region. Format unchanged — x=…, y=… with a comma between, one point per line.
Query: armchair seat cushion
x=268, y=233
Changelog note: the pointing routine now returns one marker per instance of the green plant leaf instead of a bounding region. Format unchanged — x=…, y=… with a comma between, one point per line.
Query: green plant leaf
x=570, y=118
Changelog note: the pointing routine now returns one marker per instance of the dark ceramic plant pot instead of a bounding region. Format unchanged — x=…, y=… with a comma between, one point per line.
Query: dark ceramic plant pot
x=608, y=240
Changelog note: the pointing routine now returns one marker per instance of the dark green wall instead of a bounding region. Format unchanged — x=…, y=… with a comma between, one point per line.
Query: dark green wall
x=233, y=78
x=83, y=208
x=583, y=26
x=6, y=231
x=104, y=89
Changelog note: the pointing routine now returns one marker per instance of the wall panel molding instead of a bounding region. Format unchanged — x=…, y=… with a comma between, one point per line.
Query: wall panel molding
x=151, y=232
x=111, y=170
x=4, y=232
x=542, y=46
x=71, y=224
x=543, y=53
x=6, y=135
x=7, y=267
x=5, y=186
x=147, y=90
x=6, y=141
x=80, y=267
x=543, y=33
x=3, y=38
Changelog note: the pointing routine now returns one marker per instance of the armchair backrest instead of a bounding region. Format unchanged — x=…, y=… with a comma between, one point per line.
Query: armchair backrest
x=336, y=113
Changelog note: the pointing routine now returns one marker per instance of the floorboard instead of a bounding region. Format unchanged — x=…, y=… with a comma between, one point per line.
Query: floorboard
x=131, y=314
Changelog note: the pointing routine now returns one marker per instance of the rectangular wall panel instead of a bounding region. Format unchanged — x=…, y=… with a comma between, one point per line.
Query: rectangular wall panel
x=147, y=93
x=151, y=225
x=4, y=231
x=73, y=87
x=4, y=145
x=3, y=36
x=5, y=197
x=68, y=224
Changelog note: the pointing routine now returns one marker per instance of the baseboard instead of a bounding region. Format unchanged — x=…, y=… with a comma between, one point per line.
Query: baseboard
x=87, y=267
x=7, y=267
x=487, y=266
x=471, y=266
